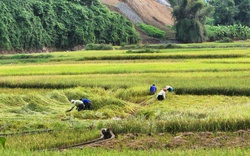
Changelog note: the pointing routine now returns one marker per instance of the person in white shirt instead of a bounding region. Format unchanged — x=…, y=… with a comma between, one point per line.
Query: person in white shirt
x=78, y=104
x=162, y=94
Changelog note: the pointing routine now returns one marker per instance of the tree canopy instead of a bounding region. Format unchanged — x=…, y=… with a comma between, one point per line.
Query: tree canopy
x=62, y=24
x=190, y=19
x=229, y=12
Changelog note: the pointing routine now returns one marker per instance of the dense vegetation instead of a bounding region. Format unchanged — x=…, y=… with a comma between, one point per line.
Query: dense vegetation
x=230, y=12
x=227, y=20
x=227, y=33
x=226, y=12
x=29, y=25
x=62, y=24
x=152, y=31
x=190, y=19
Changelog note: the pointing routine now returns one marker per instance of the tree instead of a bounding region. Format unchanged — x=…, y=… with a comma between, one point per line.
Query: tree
x=175, y=2
x=190, y=18
x=224, y=12
x=243, y=16
x=62, y=24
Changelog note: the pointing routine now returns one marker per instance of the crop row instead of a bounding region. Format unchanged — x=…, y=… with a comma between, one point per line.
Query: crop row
x=112, y=55
x=125, y=67
x=227, y=83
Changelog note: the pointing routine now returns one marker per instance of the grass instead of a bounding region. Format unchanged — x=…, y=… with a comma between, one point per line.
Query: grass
x=211, y=94
x=208, y=82
x=183, y=53
x=106, y=152
x=51, y=140
x=125, y=67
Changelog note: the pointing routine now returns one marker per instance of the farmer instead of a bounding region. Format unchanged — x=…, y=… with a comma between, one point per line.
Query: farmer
x=78, y=104
x=162, y=94
x=152, y=89
x=86, y=102
x=169, y=88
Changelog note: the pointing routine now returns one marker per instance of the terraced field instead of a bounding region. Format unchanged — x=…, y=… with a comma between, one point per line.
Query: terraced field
x=207, y=114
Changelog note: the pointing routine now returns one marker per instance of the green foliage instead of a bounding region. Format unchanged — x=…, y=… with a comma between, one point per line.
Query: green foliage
x=190, y=31
x=224, y=12
x=175, y=2
x=24, y=56
x=204, y=100
x=143, y=51
x=148, y=46
x=56, y=138
x=234, y=32
x=152, y=31
x=230, y=12
x=2, y=141
x=98, y=47
x=190, y=19
x=225, y=40
x=138, y=152
x=243, y=15
x=32, y=25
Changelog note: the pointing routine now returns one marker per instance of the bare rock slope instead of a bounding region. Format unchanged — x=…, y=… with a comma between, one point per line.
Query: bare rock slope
x=153, y=12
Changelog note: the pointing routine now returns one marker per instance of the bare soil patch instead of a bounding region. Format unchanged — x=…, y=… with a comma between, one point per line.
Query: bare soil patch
x=187, y=140
x=150, y=11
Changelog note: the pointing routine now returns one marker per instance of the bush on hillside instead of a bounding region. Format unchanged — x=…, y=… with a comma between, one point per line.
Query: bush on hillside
x=152, y=31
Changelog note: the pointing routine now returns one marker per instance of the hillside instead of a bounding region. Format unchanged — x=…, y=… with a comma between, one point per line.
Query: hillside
x=32, y=26
x=153, y=12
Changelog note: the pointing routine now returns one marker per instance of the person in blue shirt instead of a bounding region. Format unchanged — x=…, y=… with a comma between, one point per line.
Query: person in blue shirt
x=86, y=102
x=152, y=89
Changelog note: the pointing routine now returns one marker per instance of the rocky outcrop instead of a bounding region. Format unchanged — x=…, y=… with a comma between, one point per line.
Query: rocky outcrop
x=129, y=13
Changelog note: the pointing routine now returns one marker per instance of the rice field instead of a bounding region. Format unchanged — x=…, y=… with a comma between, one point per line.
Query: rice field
x=211, y=94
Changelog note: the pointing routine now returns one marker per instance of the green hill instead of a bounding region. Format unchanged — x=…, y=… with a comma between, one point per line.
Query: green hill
x=31, y=25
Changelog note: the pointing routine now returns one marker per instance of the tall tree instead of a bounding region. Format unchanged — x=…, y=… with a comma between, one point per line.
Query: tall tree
x=224, y=12
x=243, y=16
x=190, y=18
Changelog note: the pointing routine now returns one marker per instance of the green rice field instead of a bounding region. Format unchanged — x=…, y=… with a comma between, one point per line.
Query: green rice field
x=207, y=114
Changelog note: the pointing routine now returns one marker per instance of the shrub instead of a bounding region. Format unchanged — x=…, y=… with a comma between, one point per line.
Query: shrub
x=152, y=31
x=2, y=141
x=98, y=47
x=225, y=40
x=234, y=32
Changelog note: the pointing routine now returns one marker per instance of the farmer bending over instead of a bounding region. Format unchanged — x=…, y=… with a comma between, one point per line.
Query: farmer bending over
x=162, y=94
x=78, y=104
x=169, y=88
x=86, y=102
